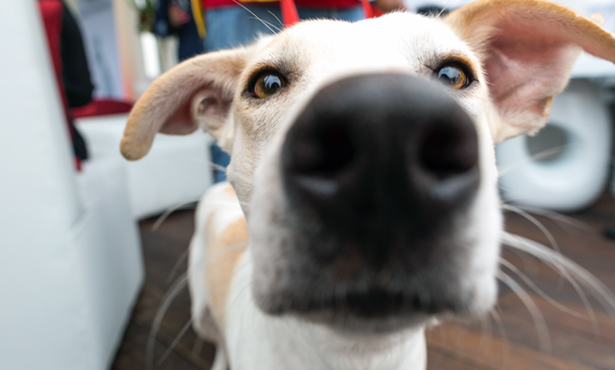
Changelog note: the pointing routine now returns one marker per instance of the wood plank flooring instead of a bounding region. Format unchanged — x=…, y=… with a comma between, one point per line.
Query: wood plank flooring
x=508, y=339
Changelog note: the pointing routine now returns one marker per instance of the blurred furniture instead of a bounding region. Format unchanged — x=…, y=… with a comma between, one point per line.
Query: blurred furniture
x=71, y=264
x=176, y=171
x=566, y=166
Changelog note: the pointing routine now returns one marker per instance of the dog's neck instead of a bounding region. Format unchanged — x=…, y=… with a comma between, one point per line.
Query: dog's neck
x=306, y=346
x=257, y=341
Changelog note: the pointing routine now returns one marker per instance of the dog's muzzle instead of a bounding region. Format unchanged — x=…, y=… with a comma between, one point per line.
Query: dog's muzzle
x=378, y=167
x=372, y=154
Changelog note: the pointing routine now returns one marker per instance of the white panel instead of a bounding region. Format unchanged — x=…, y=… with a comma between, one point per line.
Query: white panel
x=39, y=203
x=37, y=166
x=63, y=304
x=577, y=177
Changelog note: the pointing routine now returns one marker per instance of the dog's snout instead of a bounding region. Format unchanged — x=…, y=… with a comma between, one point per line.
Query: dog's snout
x=448, y=149
x=381, y=154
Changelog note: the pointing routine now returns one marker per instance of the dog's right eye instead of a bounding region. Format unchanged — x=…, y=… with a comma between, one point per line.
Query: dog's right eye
x=266, y=84
x=453, y=75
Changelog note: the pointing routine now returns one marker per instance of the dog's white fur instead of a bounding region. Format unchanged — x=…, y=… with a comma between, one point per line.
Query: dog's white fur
x=521, y=52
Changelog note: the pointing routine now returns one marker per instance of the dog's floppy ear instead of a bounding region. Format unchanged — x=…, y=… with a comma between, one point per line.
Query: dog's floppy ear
x=528, y=48
x=197, y=92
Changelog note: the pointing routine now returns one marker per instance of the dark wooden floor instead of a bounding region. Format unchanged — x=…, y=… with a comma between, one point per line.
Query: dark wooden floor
x=573, y=343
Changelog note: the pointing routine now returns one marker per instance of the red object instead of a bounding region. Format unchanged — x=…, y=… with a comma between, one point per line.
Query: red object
x=290, y=16
x=377, y=11
x=102, y=108
x=52, y=12
x=367, y=9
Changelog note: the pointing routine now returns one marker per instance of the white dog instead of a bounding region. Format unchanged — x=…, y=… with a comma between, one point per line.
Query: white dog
x=364, y=203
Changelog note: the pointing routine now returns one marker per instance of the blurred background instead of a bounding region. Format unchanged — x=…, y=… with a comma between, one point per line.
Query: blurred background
x=92, y=246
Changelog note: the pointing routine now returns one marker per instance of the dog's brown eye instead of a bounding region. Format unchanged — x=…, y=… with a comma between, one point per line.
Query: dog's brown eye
x=268, y=84
x=453, y=76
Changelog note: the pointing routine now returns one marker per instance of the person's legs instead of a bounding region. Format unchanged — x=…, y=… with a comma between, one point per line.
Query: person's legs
x=234, y=26
x=349, y=14
x=221, y=159
x=230, y=27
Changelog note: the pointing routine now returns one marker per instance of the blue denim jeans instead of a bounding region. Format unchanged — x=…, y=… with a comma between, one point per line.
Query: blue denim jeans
x=234, y=26
x=230, y=27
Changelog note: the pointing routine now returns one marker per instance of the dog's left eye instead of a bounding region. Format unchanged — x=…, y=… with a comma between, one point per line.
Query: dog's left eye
x=453, y=75
x=267, y=84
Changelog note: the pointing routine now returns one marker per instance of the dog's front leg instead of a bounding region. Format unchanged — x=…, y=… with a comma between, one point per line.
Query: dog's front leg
x=219, y=241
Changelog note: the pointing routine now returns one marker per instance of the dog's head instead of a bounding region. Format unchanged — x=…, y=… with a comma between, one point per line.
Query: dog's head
x=363, y=153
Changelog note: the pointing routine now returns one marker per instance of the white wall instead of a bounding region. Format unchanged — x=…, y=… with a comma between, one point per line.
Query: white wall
x=70, y=262
x=36, y=168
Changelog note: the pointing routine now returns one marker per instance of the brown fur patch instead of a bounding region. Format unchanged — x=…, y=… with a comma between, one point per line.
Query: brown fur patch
x=223, y=252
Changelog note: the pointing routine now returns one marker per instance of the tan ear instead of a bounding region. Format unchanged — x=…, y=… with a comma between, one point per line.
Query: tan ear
x=197, y=92
x=528, y=48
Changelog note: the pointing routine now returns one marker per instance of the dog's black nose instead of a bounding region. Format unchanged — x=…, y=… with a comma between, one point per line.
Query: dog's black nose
x=381, y=159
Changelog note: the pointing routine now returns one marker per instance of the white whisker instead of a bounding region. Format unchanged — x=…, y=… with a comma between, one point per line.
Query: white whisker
x=544, y=339
x=598, y=290
x=503, y=333
x=278, y=19
x=486, y=331
x=541, y=227
x=566, y=220
x=198, y=347
x=217, y=167
x=166, y=214
x=255, y=16
x=536, y=223
x=179, y=336
x=164, y=306
x=230, y=203
x=446, y=6
x=227, y=249
x=175, y=268
x=271, y=25
x=541, y=292
x=543, y=154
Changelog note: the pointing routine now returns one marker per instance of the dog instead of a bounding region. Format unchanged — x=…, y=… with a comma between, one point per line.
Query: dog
x=363, y=202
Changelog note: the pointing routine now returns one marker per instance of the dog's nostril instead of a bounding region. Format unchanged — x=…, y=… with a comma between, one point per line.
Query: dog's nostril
x=323, y=151
x=448, y=149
